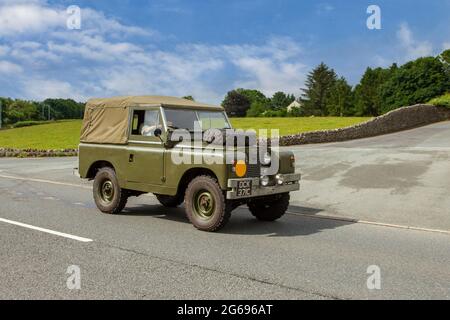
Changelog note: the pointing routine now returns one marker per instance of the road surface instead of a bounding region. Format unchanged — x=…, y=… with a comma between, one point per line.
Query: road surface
x=48, y=223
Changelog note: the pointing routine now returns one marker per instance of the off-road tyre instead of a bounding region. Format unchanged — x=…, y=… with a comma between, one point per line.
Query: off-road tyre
x=108, y=195
x=206, y=206
x=270, y=209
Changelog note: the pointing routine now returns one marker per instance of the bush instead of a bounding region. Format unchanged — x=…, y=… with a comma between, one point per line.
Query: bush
x=22, y=124
x=443, y=101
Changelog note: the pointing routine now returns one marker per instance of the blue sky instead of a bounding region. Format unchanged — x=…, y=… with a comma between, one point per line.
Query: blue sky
x=205, y=47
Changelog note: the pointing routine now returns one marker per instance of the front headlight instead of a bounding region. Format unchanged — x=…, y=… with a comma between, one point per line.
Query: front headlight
x=266, y=159
x=265, y=181
x=280, y=179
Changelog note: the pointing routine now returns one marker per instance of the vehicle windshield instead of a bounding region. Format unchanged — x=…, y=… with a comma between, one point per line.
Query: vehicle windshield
x=185, y=119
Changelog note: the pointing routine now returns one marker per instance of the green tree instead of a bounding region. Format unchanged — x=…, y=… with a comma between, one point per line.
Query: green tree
x=257, y=109
x=318, y=84
x=281, y=101
x=64, y=108
x=20, y=110
x=368, y=92
x=189, y=98
x=415, y=82
x=236, y=104
x=340, y=99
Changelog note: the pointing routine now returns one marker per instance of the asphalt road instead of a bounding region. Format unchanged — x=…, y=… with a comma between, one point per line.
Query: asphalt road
x=151, y=252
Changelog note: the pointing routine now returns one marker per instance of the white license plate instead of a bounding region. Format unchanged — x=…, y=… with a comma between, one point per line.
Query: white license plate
x=244, y=188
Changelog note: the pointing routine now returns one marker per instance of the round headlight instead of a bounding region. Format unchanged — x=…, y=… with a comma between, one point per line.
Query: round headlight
x=280, y=179
x=265, y=181
x=266, y=159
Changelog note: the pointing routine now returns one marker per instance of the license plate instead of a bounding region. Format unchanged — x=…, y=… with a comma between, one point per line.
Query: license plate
x=244, y=188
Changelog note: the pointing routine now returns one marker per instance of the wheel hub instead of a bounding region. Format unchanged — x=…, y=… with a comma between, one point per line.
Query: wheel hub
x=204, y=205
x=107, y=191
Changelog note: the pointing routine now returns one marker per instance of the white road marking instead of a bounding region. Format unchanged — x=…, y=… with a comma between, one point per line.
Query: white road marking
x=57, y=233
x=45, y=181
x=380, y=224
x=324, y=217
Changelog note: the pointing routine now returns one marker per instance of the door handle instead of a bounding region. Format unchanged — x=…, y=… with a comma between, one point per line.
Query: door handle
x=131, y=158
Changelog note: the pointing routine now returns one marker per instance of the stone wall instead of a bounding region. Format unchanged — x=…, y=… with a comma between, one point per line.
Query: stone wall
x=397, y=120
x=32, y=153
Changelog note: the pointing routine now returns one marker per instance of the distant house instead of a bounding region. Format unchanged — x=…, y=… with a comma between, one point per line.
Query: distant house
x=294, y=104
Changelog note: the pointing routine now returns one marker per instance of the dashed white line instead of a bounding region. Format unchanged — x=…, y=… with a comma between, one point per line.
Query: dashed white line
x=56, y=233
x=46, y=181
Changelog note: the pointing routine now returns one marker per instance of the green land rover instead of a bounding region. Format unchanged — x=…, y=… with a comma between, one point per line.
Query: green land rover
x=129, y=146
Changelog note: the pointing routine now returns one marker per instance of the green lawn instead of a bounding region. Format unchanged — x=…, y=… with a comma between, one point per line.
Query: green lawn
x=59, y=135
x=288, y=126
x=65, y=135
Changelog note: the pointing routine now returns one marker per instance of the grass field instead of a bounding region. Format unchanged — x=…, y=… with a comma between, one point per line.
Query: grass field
x=65, y=135
x=59, y=135
x=288, y=126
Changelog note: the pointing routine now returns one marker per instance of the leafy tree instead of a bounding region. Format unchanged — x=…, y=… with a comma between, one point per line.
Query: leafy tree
x=19, y=110
x=259, y=103
x=254, y=95
x=236, y=104
x=257, y=109
x=445, y=59
x=189, y=98
x=367, y=93
x=415, y=82
x=318, y=84
x=340, y=100
x=280, y=101
x=64, y=108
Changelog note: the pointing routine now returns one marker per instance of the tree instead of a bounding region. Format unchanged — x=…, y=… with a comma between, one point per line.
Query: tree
x=189, y=98
x=254, y=95
x=281, y=101
x=236, y=104
x=445, y=59
x=64, y=108
x=318, y=84
x=257, y=109
x=340, y=101
x=19, y=110
x=415, y=82
x=368, y=92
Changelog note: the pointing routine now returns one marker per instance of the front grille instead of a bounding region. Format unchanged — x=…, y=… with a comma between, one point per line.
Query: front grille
x=254, y=170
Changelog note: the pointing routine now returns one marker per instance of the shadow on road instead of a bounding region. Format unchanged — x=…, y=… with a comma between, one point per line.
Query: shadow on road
x=243, y=223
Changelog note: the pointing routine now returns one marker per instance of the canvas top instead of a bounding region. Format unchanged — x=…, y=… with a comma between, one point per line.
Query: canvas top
x=107, y=120
x=129, y=101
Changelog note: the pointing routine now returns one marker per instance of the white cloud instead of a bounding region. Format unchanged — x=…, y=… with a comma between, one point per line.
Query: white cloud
x=28, y=18
x=40, y=89
x=446, y=46
x=96, y=61
x=7, y=67
x=413, y=48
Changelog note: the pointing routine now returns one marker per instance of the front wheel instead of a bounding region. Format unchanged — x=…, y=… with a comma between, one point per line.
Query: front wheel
x=108, y=195
x=270, y=209
x=206, y=206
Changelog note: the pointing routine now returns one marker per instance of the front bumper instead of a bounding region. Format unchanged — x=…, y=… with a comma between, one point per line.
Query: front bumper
x=291, y=183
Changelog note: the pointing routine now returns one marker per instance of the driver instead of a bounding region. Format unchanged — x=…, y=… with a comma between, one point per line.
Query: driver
x=150, y=124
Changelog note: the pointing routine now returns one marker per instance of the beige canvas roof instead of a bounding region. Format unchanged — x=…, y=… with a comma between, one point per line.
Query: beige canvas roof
x=106, y=120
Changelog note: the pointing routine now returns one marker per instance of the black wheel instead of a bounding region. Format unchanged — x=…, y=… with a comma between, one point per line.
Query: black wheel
x=206, y=206
x=169, y=201
x=108, y=195
x=270, y=209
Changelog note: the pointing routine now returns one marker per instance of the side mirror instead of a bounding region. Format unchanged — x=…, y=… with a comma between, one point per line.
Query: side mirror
x=157, y=132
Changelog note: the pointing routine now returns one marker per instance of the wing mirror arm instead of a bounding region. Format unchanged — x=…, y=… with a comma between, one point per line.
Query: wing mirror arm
x=169, y=143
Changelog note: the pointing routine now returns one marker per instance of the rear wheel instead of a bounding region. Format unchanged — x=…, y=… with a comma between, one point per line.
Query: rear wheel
x=270, y=209
x=108, y=195
x=169, y=201
x=206, y=206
